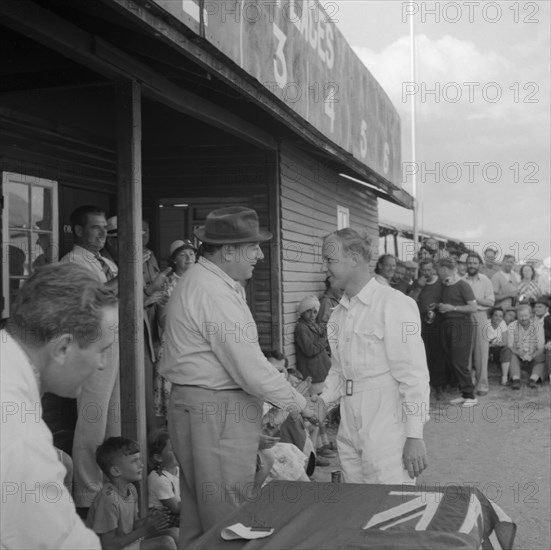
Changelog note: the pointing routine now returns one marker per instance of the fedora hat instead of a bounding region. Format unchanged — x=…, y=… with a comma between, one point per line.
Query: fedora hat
x=232, y=225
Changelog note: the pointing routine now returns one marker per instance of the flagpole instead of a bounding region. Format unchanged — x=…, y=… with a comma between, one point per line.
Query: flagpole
x=413, y=133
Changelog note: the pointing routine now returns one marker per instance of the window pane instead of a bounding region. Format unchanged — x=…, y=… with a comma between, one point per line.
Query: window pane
x=18, y=254
x=41, y=208
x=19, y=205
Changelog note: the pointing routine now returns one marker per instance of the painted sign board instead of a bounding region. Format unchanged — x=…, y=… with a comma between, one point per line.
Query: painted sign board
x=295, y=50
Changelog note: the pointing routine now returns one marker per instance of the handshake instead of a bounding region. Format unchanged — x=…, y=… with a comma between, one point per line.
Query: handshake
x=315, y=410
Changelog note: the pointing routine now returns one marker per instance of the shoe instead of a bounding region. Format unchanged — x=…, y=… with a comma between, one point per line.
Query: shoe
x=532, y=383
x=457, y=401
x=321, y=461
x=326, y=452
x=504, y=380
x=482, y=392
x=470, y=402
x=515, y=384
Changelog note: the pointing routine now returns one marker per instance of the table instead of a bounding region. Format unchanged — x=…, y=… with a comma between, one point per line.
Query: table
x=352, y=516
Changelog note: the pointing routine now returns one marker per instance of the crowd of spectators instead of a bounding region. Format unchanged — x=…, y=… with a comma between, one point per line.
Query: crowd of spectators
x=475, y=311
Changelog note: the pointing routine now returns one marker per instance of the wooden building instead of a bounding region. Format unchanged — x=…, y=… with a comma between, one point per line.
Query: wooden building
x=172, y=108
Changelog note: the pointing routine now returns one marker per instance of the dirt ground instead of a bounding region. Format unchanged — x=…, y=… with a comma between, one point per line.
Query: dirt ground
x=501, y=446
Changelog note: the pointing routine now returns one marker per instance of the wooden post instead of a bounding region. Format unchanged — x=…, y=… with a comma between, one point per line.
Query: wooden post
x=273, y=176
x=131, y=327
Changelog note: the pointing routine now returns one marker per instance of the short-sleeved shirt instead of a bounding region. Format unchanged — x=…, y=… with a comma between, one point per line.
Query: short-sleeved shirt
x=111, y=510
x=162, y=487
x=494, y=335
x=458, y=294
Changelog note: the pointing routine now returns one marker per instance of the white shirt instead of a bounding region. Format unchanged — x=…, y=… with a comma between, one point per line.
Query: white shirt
x=162, y=487
x=211, y=339
x=482, y=290
x=494, y=335
x=376, y=334
x=87, y=259
x=36, y=510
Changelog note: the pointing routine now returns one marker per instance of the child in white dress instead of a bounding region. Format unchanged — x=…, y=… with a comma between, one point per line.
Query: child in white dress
x=163, y=480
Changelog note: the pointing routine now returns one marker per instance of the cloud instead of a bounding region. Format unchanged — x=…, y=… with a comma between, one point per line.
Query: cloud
x=512, y=132
x=454, y=76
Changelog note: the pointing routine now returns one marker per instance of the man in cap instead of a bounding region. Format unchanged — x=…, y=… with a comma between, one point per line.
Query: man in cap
x=58, y=336
x=220, y=377
x=98, y=404
x=378, y=369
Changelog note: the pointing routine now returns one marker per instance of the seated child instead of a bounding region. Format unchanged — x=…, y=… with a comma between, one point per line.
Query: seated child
x=163, y=480
x=113, y=515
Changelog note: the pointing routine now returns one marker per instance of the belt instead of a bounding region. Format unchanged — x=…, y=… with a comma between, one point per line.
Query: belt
x=207, y=389
x=374, y=383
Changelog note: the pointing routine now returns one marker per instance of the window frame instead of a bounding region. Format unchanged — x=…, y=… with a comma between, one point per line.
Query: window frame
x=32, y=231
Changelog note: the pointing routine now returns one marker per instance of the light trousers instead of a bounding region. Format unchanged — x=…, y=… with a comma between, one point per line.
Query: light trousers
x=99, y=417
x=215, y=436
x=536, y=367
x=372, y=434
x=480, y=350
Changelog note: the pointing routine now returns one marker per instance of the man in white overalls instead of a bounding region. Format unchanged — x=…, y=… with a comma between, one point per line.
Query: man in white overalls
x=378, y=369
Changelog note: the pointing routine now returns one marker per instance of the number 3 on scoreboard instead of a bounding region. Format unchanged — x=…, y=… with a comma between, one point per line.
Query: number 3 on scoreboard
x=279, y=58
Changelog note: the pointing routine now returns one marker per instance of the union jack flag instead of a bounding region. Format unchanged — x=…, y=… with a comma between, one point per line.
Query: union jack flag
x=462, y=510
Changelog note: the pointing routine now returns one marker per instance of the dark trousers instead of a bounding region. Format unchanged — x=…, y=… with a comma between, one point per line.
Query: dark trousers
x=457, y=337
x=431, y=334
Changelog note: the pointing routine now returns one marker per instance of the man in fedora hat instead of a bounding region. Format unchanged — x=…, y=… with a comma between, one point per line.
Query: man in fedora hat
x=220, y=377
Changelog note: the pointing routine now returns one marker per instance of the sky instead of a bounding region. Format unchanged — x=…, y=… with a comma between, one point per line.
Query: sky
x=483, y=134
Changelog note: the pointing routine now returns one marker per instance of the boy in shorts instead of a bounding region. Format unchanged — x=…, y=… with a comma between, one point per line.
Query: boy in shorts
x=113, y=515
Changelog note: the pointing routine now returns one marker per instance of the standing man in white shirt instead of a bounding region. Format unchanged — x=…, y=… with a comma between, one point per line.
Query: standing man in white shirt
x=484, y=295
x=59, y=334
x=378, y=369
x=98, y=404
x=220, y=377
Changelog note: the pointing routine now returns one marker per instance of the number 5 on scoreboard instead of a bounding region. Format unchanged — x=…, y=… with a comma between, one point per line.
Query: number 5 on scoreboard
x=363, y=138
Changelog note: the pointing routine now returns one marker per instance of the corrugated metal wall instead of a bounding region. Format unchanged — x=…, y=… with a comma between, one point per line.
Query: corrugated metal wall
x=310, y=194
